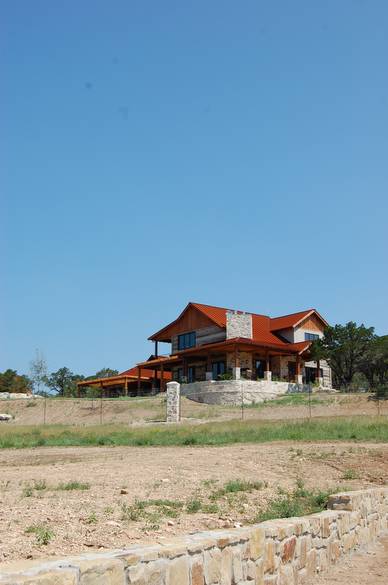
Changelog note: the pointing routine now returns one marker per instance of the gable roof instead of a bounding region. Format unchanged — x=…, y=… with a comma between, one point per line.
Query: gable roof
x=263, y=326
x=294, y=319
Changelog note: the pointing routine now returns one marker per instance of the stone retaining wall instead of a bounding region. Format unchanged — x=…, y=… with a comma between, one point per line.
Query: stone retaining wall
x=234, y=392
x=278, y=552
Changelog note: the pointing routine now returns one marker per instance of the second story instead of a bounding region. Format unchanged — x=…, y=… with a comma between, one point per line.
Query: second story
x=200, y=324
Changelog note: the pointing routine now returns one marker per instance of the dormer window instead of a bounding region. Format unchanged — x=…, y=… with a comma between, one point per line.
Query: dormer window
x=311, y=336
x=187, y=340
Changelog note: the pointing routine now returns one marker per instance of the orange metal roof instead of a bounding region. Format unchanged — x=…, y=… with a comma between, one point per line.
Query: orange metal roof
x=263, y=326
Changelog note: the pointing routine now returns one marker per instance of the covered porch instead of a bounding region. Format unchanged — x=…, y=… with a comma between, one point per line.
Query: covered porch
x=233, y=360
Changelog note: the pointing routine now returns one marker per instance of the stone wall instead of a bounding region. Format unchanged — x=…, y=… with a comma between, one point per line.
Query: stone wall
x=278, y=552
x=233, y=392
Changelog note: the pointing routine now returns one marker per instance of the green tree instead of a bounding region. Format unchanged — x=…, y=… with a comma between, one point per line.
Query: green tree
x=106, y=373
x=64, y=382
x=11, y=381
x=344, y=347
x=38, y=371
x=374, y=363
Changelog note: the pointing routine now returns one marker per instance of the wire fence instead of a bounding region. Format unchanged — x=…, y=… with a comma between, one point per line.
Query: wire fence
x=214, y=404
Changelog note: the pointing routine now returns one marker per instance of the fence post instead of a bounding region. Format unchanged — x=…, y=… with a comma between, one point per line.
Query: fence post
x=173, y=402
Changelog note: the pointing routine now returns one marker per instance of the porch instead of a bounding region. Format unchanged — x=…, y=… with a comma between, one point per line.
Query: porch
x=227, y=360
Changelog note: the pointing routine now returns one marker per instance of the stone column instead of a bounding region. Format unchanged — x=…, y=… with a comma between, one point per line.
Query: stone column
x=268, y=375
x=299, y=379
x=236, y=373
x=173, y=402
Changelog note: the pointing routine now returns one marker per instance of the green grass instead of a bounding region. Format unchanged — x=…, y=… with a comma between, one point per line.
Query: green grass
x=350, y=474
x=299, y=502
x=43, y=534
x=73, y=485
x=296, y=399
x=215, y=433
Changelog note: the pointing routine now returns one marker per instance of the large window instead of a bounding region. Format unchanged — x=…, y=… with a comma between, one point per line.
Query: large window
x=311, y=336
x=187, y=340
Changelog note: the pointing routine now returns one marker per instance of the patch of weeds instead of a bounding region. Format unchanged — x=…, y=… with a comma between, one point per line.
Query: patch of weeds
x=132, y=512
x=108, y=510
x=193, y=506
x=40, y=484
x=73, y=485
x=350, y=474
x=299, y=502
x=27, y=491
x=31, y=403
x=210, y=508
x=43, y=534
x=92, y=518
x=236, y=485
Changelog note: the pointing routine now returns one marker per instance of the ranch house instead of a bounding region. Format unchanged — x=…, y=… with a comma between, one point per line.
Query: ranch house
x=212, y=343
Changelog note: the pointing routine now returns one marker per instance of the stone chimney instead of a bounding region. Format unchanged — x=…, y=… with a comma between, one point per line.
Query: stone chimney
x=238, y=324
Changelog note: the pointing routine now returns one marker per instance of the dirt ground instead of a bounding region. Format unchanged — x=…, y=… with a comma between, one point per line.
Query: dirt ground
x=360, y=568
x=105, y=515
x=151, y=409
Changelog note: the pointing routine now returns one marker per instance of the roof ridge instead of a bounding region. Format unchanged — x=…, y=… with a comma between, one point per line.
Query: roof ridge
x=228, y=309
x=295, y=313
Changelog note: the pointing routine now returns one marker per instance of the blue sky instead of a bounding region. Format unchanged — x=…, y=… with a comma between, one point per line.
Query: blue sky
x=153, y=153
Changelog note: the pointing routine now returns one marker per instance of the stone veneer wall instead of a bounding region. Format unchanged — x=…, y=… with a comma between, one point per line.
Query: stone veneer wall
x=278, y=552
x=233, y=392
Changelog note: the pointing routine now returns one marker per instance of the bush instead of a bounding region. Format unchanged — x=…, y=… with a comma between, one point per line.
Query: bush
x=382, y=391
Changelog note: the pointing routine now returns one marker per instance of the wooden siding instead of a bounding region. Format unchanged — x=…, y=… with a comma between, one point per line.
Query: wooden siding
x=312, y=323
x=204, y=335
x=191, y=320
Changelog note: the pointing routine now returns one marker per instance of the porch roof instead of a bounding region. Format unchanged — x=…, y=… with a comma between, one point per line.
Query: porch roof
x=240, y=343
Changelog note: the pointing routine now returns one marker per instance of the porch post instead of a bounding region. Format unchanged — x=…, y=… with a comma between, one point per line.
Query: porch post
x=318, y=374
x=267, y=373
x=184, y=360
x=236, y=369
x=161, y=378
x=209, y=372
x=299, y=378
x=138, y=380
x=126, y=387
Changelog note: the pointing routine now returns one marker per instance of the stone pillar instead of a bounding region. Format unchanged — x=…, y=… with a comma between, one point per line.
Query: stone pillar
x=268, y=376
x=320, y=382
x=209, y=376
x=299, y=379
x=173, y=402
x=236, y=373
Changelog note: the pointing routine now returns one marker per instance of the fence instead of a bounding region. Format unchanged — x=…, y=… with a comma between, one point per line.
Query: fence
x=193, y=406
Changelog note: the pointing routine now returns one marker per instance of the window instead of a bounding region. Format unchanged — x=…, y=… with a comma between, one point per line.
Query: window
x=311, y=336
x=187, y=340
x=218, y=368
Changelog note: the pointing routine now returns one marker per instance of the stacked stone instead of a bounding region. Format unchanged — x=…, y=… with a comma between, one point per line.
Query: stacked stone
x=173, y=402
x=278, y=552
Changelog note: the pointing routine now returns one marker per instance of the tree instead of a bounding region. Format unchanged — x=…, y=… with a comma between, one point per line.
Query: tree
x=106, y=373
x=64, y=382
x=38, y=371
x=11, y=381
x=374, y=364
x=344, y=347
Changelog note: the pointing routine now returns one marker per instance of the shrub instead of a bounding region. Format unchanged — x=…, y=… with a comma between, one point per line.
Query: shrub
x=43, y=533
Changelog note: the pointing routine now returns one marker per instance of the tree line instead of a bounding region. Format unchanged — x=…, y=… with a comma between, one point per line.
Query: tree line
x=62, y=382
x=357, y=356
